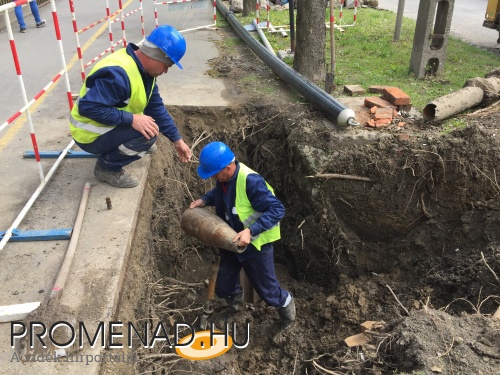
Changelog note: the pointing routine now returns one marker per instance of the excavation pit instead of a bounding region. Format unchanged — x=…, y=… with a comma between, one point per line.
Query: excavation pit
x=406, y=233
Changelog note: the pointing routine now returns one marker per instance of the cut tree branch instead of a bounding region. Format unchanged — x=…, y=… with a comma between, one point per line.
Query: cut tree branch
x=487, y=265
x=398, y=301
x=340, y=176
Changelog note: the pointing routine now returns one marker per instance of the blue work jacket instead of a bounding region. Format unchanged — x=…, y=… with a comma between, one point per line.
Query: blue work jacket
x=109, y=87
x=262, y=199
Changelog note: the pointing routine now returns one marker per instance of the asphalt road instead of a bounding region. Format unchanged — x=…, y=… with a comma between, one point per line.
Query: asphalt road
x=466, y=24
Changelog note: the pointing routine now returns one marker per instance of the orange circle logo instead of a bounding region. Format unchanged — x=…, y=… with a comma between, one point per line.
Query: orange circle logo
x=200, y=347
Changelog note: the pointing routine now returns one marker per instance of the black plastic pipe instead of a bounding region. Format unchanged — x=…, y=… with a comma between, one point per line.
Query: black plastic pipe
x=335, y=110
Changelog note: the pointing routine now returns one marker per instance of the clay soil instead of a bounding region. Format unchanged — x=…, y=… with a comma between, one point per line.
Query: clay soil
x=416, y=248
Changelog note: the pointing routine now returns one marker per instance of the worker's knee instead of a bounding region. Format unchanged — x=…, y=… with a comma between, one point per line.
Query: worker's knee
x=137, y=146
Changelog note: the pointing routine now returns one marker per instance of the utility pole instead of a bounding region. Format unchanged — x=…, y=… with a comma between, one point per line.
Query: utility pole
x=399, y=19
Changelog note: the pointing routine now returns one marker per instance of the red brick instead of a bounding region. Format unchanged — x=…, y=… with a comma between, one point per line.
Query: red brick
x=354, y=90
x=373, y=109
x=382, y=123
x=383, y=113
x=396, y=96
x=371, y=123
x=377, y=89
x=379, y=102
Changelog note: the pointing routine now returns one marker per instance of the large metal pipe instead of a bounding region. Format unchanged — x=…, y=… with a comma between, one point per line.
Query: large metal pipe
x=335, y=110
x=209, y=229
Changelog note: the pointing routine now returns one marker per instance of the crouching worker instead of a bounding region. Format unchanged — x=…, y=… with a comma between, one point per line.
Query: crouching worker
x=247, y=203
x=119, y=112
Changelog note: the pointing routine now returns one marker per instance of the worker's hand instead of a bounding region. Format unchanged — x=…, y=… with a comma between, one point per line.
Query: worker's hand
x=183, y=150
x=145, y=125
x=197, y=203
x=243, y=238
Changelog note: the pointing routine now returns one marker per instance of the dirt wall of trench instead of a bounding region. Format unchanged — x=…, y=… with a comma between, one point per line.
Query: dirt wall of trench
x=417, y=228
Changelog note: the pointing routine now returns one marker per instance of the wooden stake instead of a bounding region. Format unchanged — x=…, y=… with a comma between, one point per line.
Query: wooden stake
x=70, y=252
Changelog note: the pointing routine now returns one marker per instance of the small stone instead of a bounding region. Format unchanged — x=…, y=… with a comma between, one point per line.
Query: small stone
x=403, y=138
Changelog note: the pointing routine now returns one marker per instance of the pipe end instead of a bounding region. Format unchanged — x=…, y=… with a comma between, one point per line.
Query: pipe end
x=429, y=112
x=347, y=118
x=352, y=122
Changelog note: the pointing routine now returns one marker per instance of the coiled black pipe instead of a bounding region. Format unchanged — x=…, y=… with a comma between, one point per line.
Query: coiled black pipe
x=335, y=110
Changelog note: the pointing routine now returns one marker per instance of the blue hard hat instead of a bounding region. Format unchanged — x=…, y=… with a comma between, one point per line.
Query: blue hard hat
x=170, y=41
x=214, y=157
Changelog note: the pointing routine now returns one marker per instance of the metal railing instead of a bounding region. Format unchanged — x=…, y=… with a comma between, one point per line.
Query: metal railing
x=39, y=2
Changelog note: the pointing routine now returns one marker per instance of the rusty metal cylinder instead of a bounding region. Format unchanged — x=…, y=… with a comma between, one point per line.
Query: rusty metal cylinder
x=209, y=229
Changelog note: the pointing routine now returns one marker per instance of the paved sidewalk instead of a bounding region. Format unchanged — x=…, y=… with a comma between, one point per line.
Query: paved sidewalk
x=28, y=269
x=466, y=23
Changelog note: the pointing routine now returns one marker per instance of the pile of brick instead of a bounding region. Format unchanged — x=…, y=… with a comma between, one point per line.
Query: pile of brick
x=384, y=109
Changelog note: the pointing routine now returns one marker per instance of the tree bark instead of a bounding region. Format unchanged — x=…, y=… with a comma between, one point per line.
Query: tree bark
x=309, y=59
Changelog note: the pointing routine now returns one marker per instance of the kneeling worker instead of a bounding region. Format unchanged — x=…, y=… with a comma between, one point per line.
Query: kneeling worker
x=119, y=112
x=245, y=201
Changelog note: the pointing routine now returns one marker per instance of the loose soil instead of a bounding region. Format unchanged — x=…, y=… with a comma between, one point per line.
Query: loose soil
x=416, y=248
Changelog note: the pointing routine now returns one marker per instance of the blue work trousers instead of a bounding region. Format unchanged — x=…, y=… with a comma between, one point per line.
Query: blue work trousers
x=260, y=271
x=118, y=147
x=34, y=10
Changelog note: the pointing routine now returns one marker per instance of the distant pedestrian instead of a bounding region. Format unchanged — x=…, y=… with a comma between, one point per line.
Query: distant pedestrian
x=34, y=11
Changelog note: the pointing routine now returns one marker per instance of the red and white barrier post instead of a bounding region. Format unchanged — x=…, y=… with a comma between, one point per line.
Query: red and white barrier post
x=27, y=105
x=356, y=5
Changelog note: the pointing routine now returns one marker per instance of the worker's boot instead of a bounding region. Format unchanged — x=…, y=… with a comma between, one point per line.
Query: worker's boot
x=119, y=179
x=235, y=301
x=287, y=316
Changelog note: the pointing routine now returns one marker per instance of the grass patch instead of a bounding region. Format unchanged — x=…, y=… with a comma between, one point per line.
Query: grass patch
x=366, y=55
x=453, y=124
x=231, y=42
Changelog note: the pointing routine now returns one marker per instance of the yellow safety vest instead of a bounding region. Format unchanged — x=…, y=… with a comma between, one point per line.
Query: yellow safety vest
x=85, y=130
x=247, y=214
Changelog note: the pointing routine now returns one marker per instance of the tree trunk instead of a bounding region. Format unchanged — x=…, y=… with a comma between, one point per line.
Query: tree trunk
x=248, y=7
x=309, y=59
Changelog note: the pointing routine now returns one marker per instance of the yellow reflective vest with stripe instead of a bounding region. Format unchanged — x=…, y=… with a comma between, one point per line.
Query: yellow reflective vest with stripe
x=85, y=130
x=247, y=214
